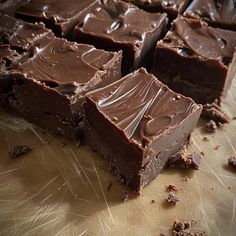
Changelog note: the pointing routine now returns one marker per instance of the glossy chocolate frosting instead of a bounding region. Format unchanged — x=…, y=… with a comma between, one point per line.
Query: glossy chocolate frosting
x=68, y=67
x=142, y=107
x=217, y=12
x=121, y=22
x=19, y=34
x=193, y=37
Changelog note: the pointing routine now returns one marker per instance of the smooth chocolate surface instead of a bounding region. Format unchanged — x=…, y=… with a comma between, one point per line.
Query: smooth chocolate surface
x=172, y=7
x=138, y=123
x=60, y=16
x=56, y=78
x=20, y=35
x=196, y=60
x=117, y=25
x=219, y=13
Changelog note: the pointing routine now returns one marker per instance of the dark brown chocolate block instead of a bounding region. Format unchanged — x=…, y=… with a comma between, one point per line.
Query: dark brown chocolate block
x=21, y=35
x=171, y=7
x=137, y=123
x=60, y=16
x=196, y=60
x=48, y=89
x=117, y=25
x=218, y=13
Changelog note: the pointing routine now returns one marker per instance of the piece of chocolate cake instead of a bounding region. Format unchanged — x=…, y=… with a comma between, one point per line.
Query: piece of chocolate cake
x=60, y=16
x=48, y=89
x=137, y=124
x=116, y=25
x=171, y=7
x=197, y=60
x=218, y=13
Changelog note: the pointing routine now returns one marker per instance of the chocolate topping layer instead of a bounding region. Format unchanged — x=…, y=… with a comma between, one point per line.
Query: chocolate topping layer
x=19, y=34
x=61, y=16
x=202, y=40
x=216, y=12
x=142, y=107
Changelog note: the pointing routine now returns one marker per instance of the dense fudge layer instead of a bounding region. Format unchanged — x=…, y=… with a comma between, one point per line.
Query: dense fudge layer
x=196, y=60
x=48, y=89
x=117, y=25
x=60, y=16
x=215, y=12
x=172, y=7
x=19, y=34
x=137, y=123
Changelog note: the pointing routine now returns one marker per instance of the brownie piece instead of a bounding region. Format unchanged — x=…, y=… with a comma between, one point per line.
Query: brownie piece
x=197, y=60
x=171, y=7
x=117, y=25
x=137, y=123
x=217, y=13
x=48, y=89
x=60, y=16
x=21, y=35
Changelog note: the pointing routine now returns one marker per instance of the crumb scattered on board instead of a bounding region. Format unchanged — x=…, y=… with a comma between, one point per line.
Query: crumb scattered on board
x=211, y=126
x=232, y=161
x=172, y=198
x=206, y=139
x=171, y=187
x=19, y=150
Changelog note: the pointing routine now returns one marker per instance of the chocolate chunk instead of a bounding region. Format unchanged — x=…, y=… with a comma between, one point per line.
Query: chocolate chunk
x=116, y=25
x=191, y=54
x=20, y=150
x=181, y=160
x=171, y=187
x=214, y=112
x=214, y=12
x=172, y=198
x=126, y=143
x=211, y=126
x=206, y=139
x=232, y=161
x=60, y=16
x=56, y=78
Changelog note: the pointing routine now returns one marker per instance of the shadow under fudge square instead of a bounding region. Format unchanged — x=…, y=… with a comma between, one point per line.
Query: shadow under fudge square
x=171, y=7
x=60, y=16
x=117, y=25
x=137, y=123
x=216, y=13
x=48, y=89
x=21, y=35
x=197, y=60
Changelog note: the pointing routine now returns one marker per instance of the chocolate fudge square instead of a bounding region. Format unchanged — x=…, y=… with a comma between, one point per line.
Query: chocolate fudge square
x=48, y=89
x=117, y=25
x=196, y=60
x=21, y=35
x=218, y=13
x=137, y=123
x=171, y=7
x=60, y=16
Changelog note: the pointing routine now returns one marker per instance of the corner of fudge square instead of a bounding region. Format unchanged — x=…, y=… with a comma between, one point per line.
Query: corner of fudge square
x=48, y=89
x=137, y=123
x=197, y=60
x=116, y=25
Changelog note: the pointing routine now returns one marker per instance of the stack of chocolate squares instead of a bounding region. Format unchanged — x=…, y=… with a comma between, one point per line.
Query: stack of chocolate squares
x=96, y=88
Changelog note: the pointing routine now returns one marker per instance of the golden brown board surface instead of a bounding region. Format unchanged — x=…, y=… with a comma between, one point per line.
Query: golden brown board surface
x=60, y=189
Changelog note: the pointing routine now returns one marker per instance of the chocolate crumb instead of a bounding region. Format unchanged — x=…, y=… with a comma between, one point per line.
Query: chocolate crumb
x=229, y=187
x=211, y=126
x=172, y=198
x=205, y=139
x=232, y=161
x=217, y=147
x=19, y=151
x=234, y=118
x=109, y=186
x=125, y=197
x=202, y=154
x=153, y=201
x=171, y=187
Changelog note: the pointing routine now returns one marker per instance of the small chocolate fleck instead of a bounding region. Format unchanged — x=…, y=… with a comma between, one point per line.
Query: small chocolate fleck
x=211, y=126
x=234, y=118
x=125, y=197
x=232, y=161
x=172, y=198
x=217, y=147
x=109, y=186
x=205, y=139
x=153, y=201
x=171, y=187
x=19, y=151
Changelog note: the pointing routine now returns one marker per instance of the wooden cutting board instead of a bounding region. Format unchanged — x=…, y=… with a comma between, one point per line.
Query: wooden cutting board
x=62, y=189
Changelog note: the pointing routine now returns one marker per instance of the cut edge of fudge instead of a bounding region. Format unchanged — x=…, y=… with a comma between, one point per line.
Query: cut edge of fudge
x=136, y=162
